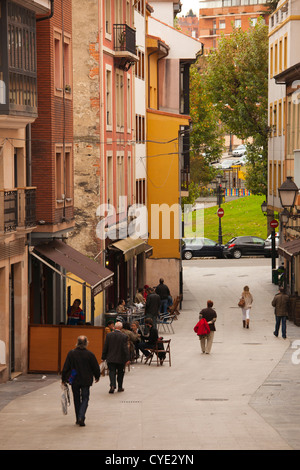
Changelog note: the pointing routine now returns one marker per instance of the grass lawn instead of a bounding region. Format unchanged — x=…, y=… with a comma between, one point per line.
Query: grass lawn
x=242, y=216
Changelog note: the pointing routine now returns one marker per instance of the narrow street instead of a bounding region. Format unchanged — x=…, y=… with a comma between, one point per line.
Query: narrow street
x=243, y=396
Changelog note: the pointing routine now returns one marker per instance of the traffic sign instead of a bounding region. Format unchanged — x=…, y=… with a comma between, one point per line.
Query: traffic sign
x=274, y=223
x=220, y=212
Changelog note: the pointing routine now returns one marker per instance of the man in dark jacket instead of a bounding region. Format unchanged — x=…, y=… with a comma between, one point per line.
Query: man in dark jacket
x=80, y=368
x=148, y=341
x=164, y=293
x=116, y=354
x=281, y=304
x=152, y=306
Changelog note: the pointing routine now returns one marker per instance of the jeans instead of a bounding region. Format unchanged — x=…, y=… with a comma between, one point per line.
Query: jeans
x=81, y=397
x=283, y=326
x=164, y=306
x=116, y=374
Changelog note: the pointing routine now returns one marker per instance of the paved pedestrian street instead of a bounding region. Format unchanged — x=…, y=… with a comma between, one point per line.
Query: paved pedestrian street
x=243, y=396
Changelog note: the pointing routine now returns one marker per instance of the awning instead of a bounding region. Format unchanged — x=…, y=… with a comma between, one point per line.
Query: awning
x=130, y=247
x=289, y=249
x=96, y=276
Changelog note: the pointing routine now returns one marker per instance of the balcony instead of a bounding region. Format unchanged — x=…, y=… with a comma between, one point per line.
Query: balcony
x=17, y=209
x=125, y=45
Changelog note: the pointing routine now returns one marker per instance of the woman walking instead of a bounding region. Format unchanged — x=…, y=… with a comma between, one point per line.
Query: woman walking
x=248, y=299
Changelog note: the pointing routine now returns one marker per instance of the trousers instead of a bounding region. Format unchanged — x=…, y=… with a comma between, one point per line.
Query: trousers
x=81, y=397
x=206, y=342
x=116, y=374
x=281, y=320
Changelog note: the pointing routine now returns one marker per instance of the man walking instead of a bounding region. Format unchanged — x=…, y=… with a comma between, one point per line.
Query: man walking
x=152, y=306
x=80, y=368
x=281, y=304
x=116, y=354
x=164, y=293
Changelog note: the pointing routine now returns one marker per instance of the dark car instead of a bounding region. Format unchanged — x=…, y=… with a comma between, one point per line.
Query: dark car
x=201, y=247
x=244, y=246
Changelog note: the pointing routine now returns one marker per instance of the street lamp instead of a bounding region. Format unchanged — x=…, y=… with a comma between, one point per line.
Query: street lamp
x=287, y=193
x=264, y=208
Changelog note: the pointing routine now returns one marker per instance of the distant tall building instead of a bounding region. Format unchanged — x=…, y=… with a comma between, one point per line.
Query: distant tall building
x=189, y=24
x=217, y=17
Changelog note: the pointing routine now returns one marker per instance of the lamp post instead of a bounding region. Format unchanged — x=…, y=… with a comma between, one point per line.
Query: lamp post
x=218, y=185
x=287, y=193
x=264, y=209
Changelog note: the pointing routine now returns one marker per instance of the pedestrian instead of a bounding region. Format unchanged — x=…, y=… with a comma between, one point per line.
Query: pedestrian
x=109, y=327
x=281, y=304
x=164, y=293
x=139, y=298
x=149, y=339
x=80, y=368
x=75, y=314
x=116, y=354
x=152, y=307
x=247, y=297
x=210, y=316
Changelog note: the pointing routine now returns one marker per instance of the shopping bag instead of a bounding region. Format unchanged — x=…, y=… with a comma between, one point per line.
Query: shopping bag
x=65, y=398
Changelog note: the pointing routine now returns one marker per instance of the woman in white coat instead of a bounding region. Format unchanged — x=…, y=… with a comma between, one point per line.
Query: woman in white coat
x=247, y=296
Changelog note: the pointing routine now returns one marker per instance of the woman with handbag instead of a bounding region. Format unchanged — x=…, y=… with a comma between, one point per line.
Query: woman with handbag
x=245, y=304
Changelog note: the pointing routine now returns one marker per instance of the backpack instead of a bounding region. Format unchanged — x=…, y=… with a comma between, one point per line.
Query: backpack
x=202, y=328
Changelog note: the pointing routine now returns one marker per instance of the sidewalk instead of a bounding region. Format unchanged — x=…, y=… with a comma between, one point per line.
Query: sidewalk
x=243, y=396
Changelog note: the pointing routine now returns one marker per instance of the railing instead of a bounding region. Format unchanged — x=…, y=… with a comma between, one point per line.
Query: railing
x=124, y=38
x=17, y=209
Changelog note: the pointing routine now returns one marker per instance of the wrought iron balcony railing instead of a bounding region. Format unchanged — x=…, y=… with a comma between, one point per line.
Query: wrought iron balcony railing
x=124, y=39
x=17, y=209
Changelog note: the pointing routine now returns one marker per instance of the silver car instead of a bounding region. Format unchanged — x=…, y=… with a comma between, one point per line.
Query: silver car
x=239, y=151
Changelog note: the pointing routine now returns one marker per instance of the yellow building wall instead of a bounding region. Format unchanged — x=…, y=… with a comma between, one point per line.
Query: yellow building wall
x=163, y=181
x=76, y=293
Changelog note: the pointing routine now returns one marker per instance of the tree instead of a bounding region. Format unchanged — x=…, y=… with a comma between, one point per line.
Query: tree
x=207, y=142
x=237, y=80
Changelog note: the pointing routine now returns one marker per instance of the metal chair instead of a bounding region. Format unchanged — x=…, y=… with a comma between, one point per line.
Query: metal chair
x=165, y=322
x=161, y=350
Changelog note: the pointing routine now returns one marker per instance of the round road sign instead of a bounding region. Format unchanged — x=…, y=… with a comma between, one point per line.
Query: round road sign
x=220, y=212
x=274, y=223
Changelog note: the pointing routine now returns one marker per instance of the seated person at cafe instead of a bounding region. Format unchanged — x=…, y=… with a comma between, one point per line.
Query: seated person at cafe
x=110, y=327
x=121, y=307
x=135, y=328
x=149, y=340
x=131, y=340
x=139, y=298
x=75, y=314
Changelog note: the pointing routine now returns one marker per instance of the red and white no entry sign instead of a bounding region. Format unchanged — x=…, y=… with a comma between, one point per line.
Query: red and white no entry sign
x=274, y=223
x=220, y=212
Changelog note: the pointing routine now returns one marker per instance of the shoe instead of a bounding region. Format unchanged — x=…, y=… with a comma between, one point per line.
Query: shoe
x=275, y=334
x=121, y=389
x=111, y=390
x=161, y=362
x=81, y=422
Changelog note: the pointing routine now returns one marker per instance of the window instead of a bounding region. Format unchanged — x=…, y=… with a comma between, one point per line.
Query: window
x=222, y=24
x=120, y=183
x=237, y=23
x=140, y=128
x=139, y=5
x=118, y=11
x=253, y=21
x=108, y=17
x=271, y=120
x=63, y=174
x=280, y=55
x=285, y=51
x=275, y=119
x=110, y=180
x=271, y=62
x=140, y=66
x=108, y=99
x=279, y=117
x=270, y=177
x=62, y=64
x=129, y=179
x=140, y=191
x=120, y=100
x=279, y=175
x=276, y=58
x=274, y=178
x=128, y=106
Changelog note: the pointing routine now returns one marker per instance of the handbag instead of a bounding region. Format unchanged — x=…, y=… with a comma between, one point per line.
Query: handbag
x=65, y=398
x=241, y=303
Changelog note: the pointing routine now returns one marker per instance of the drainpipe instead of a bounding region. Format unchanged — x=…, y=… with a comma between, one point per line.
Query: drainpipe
x=49, y=16
x=165, y=53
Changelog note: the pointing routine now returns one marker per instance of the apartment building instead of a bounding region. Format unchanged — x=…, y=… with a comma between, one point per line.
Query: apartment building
x=284, y=119
x=18, y=111
x=169, y=56
x=219, y=17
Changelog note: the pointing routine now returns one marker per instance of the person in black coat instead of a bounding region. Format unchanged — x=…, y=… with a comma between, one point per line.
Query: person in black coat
x=164, y=293
x=148, y=341
x=116, y=354
x=152, y=306
x=79, y=370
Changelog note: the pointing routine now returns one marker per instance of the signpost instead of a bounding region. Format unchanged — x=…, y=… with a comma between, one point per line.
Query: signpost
x=220, y=212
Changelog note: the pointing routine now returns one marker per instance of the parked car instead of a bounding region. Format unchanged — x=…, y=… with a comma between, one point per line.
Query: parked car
x=201, y=247
x=227, y=164
x=268, y=245
x=241, y=246
x=239, y=151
